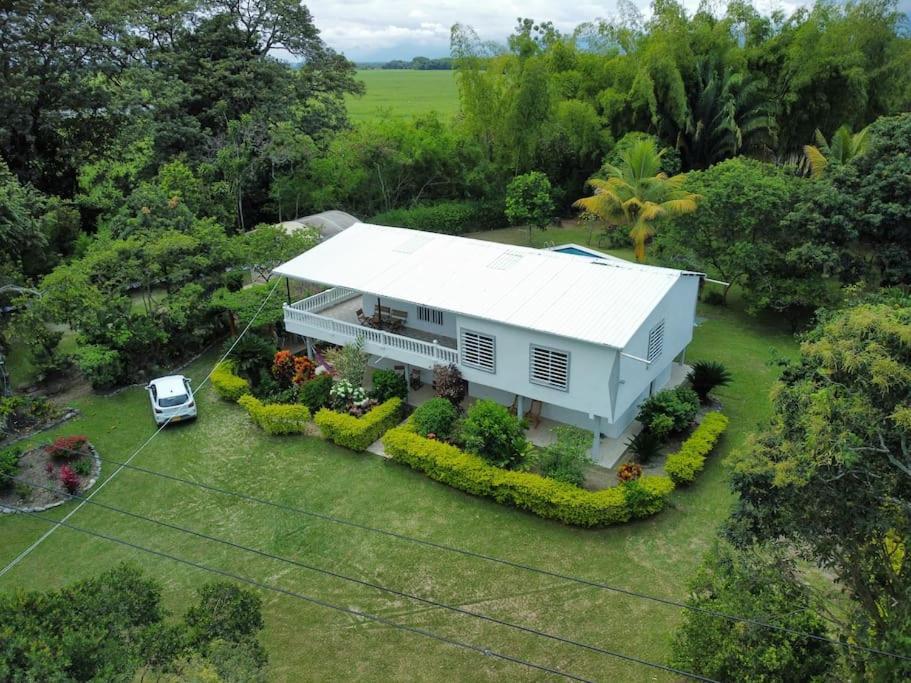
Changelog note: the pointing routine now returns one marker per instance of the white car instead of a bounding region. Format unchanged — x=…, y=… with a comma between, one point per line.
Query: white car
x=172, y=399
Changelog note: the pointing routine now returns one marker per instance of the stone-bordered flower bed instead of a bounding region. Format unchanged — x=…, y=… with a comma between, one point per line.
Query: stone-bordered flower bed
x=68, y=465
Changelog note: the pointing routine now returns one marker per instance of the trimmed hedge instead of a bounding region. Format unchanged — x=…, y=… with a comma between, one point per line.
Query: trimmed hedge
x=685, y=464
x=544, y=497
x=449, y=217
x=357, y=433
x=276, y=418
x=228, y=386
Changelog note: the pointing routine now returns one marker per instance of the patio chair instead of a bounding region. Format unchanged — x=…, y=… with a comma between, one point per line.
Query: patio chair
x=361, y=318
x=533, y=414
x=397, y=320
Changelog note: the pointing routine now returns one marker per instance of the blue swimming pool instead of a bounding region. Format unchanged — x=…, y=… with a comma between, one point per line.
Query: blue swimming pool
x=574, y=251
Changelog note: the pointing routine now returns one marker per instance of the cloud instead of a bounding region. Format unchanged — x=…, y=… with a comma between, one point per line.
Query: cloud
x=377, y=30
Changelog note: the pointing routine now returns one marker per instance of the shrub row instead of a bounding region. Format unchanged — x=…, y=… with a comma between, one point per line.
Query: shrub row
x=451, y=217
x=228, y=386
x=276, y=418
x=544, y=497
x=357, y=433
x=685, y=464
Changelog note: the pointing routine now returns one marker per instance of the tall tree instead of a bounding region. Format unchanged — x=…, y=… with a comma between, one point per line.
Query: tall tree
x=60, y=64
x=637, y=195
x=829, y=478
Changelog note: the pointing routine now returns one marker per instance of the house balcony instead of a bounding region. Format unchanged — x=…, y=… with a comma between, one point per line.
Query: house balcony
x=331, y=316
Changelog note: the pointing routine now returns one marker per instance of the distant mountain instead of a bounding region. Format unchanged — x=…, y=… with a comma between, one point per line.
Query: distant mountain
x=417, y=63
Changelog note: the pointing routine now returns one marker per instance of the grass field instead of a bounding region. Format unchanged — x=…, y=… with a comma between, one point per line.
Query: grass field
x=403, y=93
x=308, y=642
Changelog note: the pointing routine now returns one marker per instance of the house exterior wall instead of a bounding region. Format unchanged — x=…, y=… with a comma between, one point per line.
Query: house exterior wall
x=447, y=329
x=638, y=380
x=589, y=368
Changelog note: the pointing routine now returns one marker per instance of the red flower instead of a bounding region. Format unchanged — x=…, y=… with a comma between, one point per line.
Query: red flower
x=67, y=446
x=69, y=479
x=629, y=471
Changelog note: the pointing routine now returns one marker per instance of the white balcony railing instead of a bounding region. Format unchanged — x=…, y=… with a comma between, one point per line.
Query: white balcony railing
x=301, y=318
x=323, y=300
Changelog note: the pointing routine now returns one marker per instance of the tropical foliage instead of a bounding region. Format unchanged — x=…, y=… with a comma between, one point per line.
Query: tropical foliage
x=637, y=195
x=843, y=147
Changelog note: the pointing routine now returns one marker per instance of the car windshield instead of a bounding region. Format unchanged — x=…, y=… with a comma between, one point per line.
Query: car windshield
x=171, y=401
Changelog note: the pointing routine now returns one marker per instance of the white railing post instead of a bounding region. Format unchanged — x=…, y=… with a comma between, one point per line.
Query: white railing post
x=303, y=312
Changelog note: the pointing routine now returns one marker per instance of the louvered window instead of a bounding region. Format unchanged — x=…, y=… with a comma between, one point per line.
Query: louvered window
x=479, y=351
x=656, y=341
x=430, y=315
x=549, y=367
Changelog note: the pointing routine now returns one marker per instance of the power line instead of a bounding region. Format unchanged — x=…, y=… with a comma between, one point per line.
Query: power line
x=317, y=601
x=385, y=589
x=513, y=564
x=25, y=553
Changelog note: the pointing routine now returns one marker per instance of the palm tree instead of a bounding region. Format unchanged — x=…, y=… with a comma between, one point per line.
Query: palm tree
x=636, y=194
x=729, y=115
x=844, y=146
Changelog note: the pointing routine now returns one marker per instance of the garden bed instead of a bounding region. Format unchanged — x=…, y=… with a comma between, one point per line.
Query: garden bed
x=22, y=416
x=42, y=467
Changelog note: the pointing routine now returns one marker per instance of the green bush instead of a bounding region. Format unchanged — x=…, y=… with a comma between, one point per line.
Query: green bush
x=228, y=386
x=449, y=217
x=437, y=416
x=9, y=464
x=525, y=490
x=357, y=433
x=668, y=411
x=252, y=356
x=315, y=393
x=21, y=413
x=565, y=459
x=102, y=366
x=276, y=418
x=489, y=430
x=706, y=375
x=685, y=464
x=388, y=384
x=645, y=446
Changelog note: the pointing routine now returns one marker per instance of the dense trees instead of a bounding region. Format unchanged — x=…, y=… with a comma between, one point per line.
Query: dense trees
x=792, y=243
x=113, y=627
x=827, y=482
x=138, y=141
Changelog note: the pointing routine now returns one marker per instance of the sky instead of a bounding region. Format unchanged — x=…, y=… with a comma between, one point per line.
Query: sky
x=380, y=30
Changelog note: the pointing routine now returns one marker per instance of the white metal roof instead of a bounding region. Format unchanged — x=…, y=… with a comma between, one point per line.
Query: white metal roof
x=595, y=300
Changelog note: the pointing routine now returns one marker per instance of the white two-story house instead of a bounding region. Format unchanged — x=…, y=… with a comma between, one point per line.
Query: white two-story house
x=588, y=338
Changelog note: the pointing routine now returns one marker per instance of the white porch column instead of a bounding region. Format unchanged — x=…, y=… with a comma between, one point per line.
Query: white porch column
x=596, y=437
x=520, y=407
x=309, y=348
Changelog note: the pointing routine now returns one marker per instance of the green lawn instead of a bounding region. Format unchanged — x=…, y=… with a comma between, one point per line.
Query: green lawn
x=403, y=93
x=305, y=641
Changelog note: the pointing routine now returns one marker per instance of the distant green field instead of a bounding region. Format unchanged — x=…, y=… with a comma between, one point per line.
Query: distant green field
x=403, y=93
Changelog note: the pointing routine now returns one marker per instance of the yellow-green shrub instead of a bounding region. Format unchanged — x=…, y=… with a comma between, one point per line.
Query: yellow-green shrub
x=544, y=497
x=685, y=464
x=357, y=433
x=276, y=418
x=228, y=386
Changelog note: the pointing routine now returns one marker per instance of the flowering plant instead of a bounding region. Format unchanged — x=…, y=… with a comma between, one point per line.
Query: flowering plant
x=345, y=394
